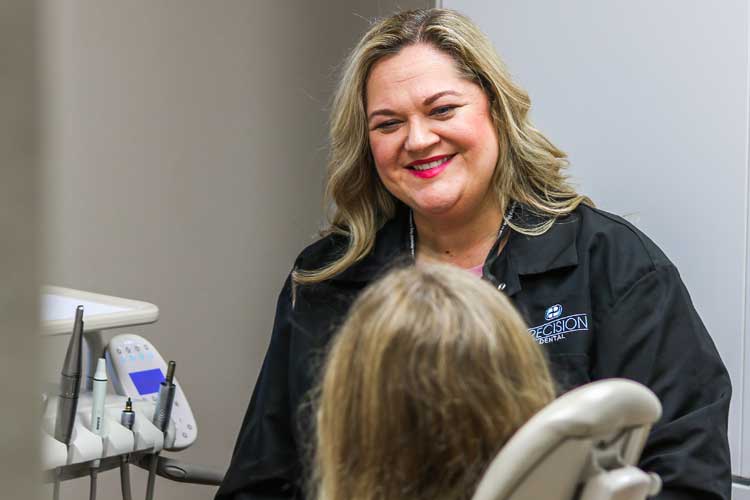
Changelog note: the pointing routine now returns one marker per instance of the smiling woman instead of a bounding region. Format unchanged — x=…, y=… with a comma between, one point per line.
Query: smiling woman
x=433, y=158
x=419, y=86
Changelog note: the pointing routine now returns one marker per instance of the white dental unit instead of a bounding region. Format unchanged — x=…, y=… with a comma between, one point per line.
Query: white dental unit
x=138, y=373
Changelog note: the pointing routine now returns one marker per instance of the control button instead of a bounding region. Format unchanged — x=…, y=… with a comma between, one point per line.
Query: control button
x=119, y=351
x=137, y=349
x=127, y=350
x=190, y=427
x=176, y=403
x=184, y=434
x=145, y=347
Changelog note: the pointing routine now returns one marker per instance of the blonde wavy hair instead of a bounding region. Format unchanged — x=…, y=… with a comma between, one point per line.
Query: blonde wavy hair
x=431, y=373
x=529, y=168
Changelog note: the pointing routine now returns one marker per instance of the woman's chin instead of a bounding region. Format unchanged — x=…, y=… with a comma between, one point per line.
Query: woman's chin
x=435, y=207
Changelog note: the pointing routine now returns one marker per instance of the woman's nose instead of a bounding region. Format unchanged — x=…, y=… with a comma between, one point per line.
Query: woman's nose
x=420, y=136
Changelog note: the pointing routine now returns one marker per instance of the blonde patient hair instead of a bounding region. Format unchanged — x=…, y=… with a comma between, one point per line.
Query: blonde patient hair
x=530, y=169
x=431, y=373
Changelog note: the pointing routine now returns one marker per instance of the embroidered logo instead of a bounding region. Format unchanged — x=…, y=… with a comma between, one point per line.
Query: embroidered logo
x=553, y=312
x=556, y=327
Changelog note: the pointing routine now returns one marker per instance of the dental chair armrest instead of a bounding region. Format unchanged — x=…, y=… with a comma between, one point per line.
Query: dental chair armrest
x=181, y=472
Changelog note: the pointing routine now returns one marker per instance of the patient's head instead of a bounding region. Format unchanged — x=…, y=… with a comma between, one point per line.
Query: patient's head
x=429, y=376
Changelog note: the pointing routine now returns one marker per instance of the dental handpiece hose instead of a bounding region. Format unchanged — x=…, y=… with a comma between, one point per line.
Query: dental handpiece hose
x=127, y=419
x=98, y=396
x=162, y=415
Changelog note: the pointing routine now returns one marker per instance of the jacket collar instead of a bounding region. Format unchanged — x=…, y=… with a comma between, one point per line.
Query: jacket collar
x=523, y=255
x=554, y=249
x=528, y=255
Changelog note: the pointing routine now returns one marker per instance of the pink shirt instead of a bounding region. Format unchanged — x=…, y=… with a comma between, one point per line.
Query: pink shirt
x=476, y=270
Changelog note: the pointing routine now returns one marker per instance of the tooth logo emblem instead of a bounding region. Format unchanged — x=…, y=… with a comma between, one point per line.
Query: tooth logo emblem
x=553, y=312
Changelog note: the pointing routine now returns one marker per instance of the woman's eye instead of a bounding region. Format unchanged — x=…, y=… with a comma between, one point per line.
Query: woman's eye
x=443, y=110
x=390, y=124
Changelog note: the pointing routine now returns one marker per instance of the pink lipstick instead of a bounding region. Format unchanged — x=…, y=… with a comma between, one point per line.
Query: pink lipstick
x=430, y=167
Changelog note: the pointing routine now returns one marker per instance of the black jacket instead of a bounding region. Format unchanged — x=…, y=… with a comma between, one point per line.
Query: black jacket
x=600, y=297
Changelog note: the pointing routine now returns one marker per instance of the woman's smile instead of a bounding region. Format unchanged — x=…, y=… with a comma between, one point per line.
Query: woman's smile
x=430, y=167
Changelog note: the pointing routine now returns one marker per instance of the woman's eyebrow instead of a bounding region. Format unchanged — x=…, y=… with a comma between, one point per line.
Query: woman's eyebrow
x=426, y=102
x=437, y=96
x=383, y=112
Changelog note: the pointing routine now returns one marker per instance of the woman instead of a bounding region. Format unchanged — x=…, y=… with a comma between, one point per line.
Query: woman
x=394, y=420
x=433, y=158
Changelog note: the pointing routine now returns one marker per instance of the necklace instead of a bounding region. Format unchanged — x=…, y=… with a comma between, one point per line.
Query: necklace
x=508, y=216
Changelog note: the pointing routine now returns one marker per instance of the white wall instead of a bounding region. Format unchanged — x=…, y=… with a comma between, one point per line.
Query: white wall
x=649, y=98
x=186, y=143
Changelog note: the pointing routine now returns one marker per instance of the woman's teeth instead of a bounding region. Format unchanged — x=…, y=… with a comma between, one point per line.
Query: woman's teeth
x=432, y=164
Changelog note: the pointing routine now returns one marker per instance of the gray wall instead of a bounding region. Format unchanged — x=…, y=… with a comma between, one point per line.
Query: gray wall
x=186, y=143
x=650, y=99
x=19, y=215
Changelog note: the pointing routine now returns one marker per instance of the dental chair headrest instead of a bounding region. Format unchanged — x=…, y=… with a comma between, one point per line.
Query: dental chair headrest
x=597, y=427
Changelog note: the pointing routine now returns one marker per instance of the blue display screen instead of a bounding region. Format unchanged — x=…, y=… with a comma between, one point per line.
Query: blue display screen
x=147, y=381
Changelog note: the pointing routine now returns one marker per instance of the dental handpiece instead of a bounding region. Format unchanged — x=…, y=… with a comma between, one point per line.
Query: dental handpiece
x=167, y=389
x=127, y=417
x=98, y=397
x=70, y=383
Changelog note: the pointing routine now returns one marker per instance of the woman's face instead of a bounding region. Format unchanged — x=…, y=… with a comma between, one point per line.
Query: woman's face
x=431, y=135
